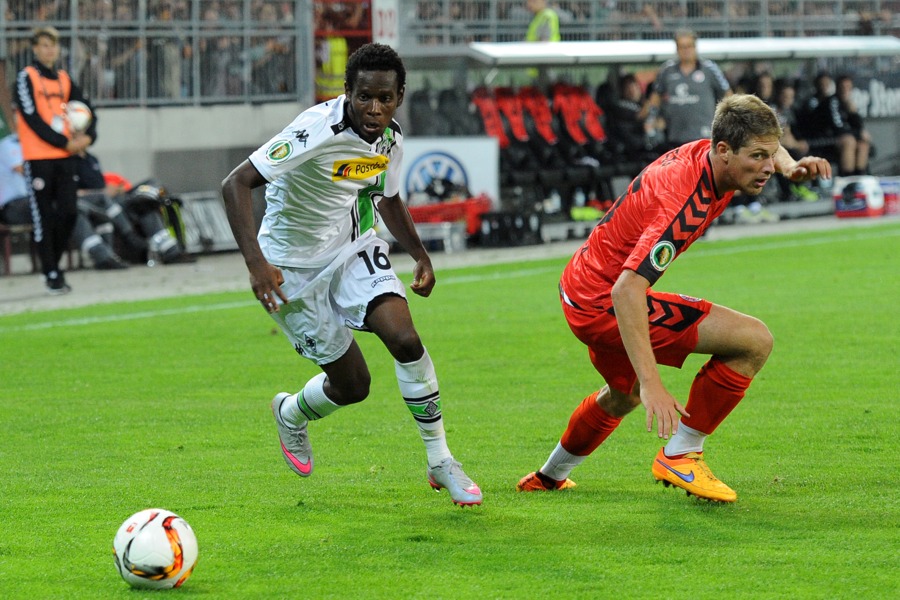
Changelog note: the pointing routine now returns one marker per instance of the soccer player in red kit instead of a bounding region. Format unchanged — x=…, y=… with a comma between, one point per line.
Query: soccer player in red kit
x=629, y=328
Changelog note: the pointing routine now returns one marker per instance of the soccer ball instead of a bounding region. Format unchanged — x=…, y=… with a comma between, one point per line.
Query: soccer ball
x=79, y=115
x=155, y=549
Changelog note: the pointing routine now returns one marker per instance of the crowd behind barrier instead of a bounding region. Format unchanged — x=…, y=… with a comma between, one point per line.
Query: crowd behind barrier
x=171, y=52
x=451, y=22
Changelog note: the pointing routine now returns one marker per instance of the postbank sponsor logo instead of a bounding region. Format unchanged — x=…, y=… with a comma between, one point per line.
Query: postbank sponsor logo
x=359, y=168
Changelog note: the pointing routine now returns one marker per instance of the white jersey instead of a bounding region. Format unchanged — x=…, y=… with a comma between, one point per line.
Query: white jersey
x=324, y=183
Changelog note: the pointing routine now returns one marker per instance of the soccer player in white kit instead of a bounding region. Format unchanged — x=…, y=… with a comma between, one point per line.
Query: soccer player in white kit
x=319, y=270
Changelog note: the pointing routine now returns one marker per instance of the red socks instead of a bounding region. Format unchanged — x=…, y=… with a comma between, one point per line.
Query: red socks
x=714, y=394
x=588, y=427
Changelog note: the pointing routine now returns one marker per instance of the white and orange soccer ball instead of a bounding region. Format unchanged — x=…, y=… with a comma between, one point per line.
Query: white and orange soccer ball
x=155, y=549
x=79, y=115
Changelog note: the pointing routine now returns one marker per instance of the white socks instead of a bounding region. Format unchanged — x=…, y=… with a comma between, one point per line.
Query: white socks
x=560, y=463
x=309, y=404
x=419, y=388
x=685, y=440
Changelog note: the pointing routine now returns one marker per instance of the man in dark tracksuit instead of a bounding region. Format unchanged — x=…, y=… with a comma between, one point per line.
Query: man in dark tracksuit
x=48, y=146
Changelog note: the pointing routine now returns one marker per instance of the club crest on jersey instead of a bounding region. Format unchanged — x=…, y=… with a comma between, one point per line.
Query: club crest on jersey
x=279, y=151
x=662, y=255
x=359, y=168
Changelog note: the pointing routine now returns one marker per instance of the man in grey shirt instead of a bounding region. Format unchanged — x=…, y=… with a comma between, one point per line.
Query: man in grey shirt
x=686, y=92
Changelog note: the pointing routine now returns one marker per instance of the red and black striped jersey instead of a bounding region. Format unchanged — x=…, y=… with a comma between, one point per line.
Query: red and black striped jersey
x=664, y=210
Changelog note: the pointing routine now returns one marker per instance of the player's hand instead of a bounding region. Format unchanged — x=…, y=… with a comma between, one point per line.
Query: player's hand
x=266, y=280
x=423, y=278
x=661, y=404
x=78, y=143
x=809, y=168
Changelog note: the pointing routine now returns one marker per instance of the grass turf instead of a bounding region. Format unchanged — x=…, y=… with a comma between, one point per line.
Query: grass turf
x=111, y=409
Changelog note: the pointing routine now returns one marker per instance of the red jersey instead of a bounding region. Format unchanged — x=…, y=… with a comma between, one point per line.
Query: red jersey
x=665, y=208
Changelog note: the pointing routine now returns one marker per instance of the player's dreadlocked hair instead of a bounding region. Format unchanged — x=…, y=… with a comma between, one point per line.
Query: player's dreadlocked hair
x=375, y=57
x=742, y=117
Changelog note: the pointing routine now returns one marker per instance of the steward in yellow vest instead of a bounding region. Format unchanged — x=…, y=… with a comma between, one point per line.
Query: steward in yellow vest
x=544, y=27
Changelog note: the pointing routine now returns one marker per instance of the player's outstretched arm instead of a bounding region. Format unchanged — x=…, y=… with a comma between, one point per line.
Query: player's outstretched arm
x=396, y=216
x=265, y=279
x=807, y=168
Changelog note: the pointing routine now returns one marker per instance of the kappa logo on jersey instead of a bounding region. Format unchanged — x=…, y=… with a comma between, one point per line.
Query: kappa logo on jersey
x=662, y=255
x=359, y=168
x=301, y=136
x=279, y=151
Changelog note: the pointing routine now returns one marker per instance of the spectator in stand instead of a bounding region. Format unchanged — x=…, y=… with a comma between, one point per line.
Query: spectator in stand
x=631, y=122
x=824, y=125
x=125, y=54
x=220, y=56
x=15, y=201
x=270, y=55
x=166, y=49
x=784, y=98
x=850, y=115
x=764, y=88
x=686, y=92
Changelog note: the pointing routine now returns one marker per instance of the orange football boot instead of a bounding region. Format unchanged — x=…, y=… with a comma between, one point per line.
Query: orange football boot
x=691, y=474
x=533, y=483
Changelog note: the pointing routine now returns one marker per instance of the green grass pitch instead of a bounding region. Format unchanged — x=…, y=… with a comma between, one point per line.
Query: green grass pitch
x=110, y=409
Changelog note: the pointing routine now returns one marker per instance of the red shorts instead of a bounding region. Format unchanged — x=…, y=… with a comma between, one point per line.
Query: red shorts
x=674, y=321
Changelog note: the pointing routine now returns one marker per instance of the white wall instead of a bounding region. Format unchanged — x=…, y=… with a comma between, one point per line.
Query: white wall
x=130, y=140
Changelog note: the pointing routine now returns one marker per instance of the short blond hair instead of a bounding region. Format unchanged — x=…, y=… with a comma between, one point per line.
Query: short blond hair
x=48, y=32
x=740, y=118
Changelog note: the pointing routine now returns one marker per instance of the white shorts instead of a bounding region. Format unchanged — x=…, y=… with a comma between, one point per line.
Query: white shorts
x=325, y=303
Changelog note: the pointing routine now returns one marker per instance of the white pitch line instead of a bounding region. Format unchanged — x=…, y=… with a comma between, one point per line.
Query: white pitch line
x=451, y=280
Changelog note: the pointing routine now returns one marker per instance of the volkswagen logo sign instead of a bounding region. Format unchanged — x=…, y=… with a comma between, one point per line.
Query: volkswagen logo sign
x=438, y=175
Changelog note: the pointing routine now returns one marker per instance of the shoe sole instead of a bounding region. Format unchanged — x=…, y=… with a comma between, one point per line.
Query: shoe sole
x=664, y=478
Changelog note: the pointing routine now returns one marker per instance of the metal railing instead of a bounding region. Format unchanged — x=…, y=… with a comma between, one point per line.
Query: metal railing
x=427, y=24
x=197, y=52
x=171, y=52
